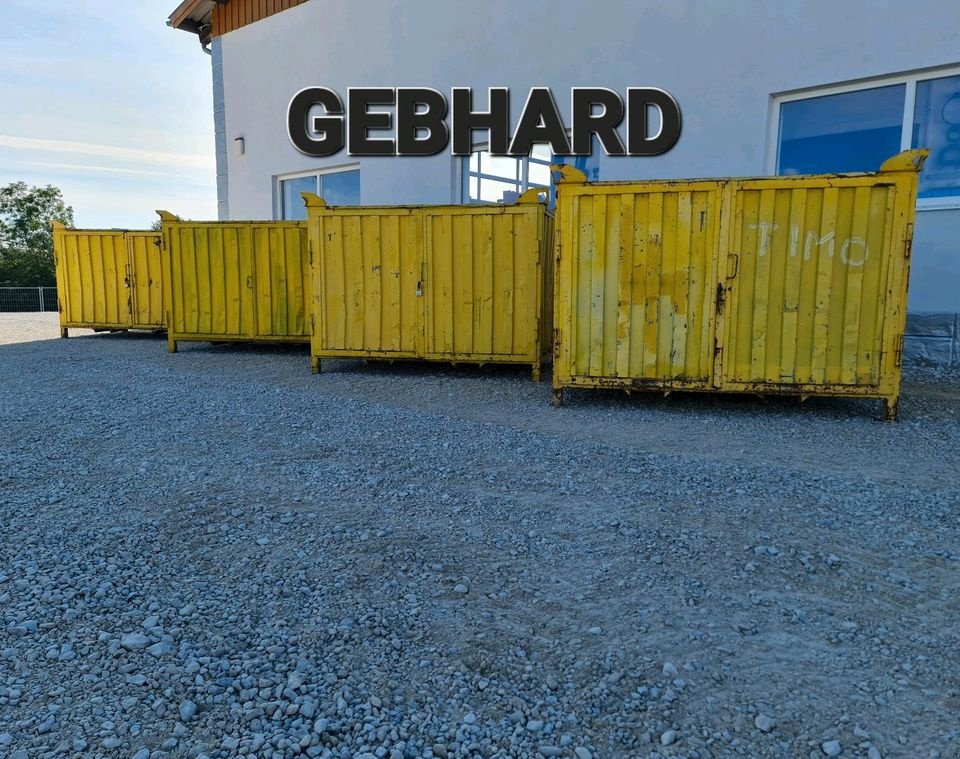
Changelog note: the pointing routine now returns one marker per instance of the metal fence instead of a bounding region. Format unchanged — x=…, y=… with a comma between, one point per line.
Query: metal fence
x=28, y=299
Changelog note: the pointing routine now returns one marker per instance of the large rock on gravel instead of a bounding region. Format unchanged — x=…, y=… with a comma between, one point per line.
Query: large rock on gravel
x=134, y=641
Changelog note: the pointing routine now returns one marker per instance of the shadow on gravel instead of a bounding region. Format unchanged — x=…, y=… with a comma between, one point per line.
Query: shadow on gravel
x=123, y=336
x=244, y=349
x=87, y=336
x=679, y=403
x=772, y=406
x=428, y=369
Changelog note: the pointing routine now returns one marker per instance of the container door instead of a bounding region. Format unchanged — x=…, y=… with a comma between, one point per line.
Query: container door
x=807, y=282
x=368, y=282
x=93, y=272
x=212, y=280
x=481, y=283
x=636, y=297
x=282, y=279
x=144, y=279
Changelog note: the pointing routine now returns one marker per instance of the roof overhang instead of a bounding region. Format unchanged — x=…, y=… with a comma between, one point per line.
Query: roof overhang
x=194, y=16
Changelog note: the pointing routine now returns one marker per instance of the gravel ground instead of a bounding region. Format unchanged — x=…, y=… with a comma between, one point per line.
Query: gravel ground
x=25, y=328
x=216, y=554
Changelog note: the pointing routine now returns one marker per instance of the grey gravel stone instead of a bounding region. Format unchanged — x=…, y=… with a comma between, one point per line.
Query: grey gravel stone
x=764, y=723
x=831, y=748
x=188, y=710
x=160, y=649
x=134, y=641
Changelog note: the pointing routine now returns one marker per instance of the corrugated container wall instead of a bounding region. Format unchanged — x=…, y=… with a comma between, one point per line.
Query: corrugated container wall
x=246, y=281
x=772, y=285
x=108, y=279
x=443, y=283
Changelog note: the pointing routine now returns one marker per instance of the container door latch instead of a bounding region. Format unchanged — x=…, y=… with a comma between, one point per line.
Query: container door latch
x=733, y=265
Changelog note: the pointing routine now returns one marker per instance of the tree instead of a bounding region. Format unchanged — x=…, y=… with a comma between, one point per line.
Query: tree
x=26, y=238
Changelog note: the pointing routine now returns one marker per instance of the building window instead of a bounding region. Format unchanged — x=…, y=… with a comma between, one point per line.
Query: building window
x=936, y=125
x=493, y=179
x=292, y=207
x=857, y=127
x=338, y=187
x=853, y=131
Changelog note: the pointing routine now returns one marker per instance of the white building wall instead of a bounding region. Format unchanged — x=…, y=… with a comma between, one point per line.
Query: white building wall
x=722, y=62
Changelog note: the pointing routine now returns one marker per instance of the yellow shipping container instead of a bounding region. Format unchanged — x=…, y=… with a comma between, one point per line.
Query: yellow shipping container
x=770, y=285
x=236, y=280
x=108, y=279
x=464, y=283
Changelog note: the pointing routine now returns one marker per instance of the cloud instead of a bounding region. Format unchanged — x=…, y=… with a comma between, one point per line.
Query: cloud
x=112, y=170
x=110, y=152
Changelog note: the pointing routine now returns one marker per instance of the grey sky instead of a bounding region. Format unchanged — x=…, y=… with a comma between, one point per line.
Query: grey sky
x=105, y=101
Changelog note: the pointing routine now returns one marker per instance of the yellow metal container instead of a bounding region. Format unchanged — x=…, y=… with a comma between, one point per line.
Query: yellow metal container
x=108, y=279
x=247, y=280
x=770, y=285
x=468, y=284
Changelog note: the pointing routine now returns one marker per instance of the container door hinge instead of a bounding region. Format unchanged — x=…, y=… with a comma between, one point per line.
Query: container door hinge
x=908, y=242
x=898, y=353
x=310, y=252
x=721, y=298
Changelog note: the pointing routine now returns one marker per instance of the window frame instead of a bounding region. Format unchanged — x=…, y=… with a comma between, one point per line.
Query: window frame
x=278, y=179
x=910, y=81
x=523, y=175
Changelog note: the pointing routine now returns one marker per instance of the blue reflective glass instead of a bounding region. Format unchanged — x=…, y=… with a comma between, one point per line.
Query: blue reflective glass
x=341, y=189
x=936, y=125
x=293, y=206
x=851, y=131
